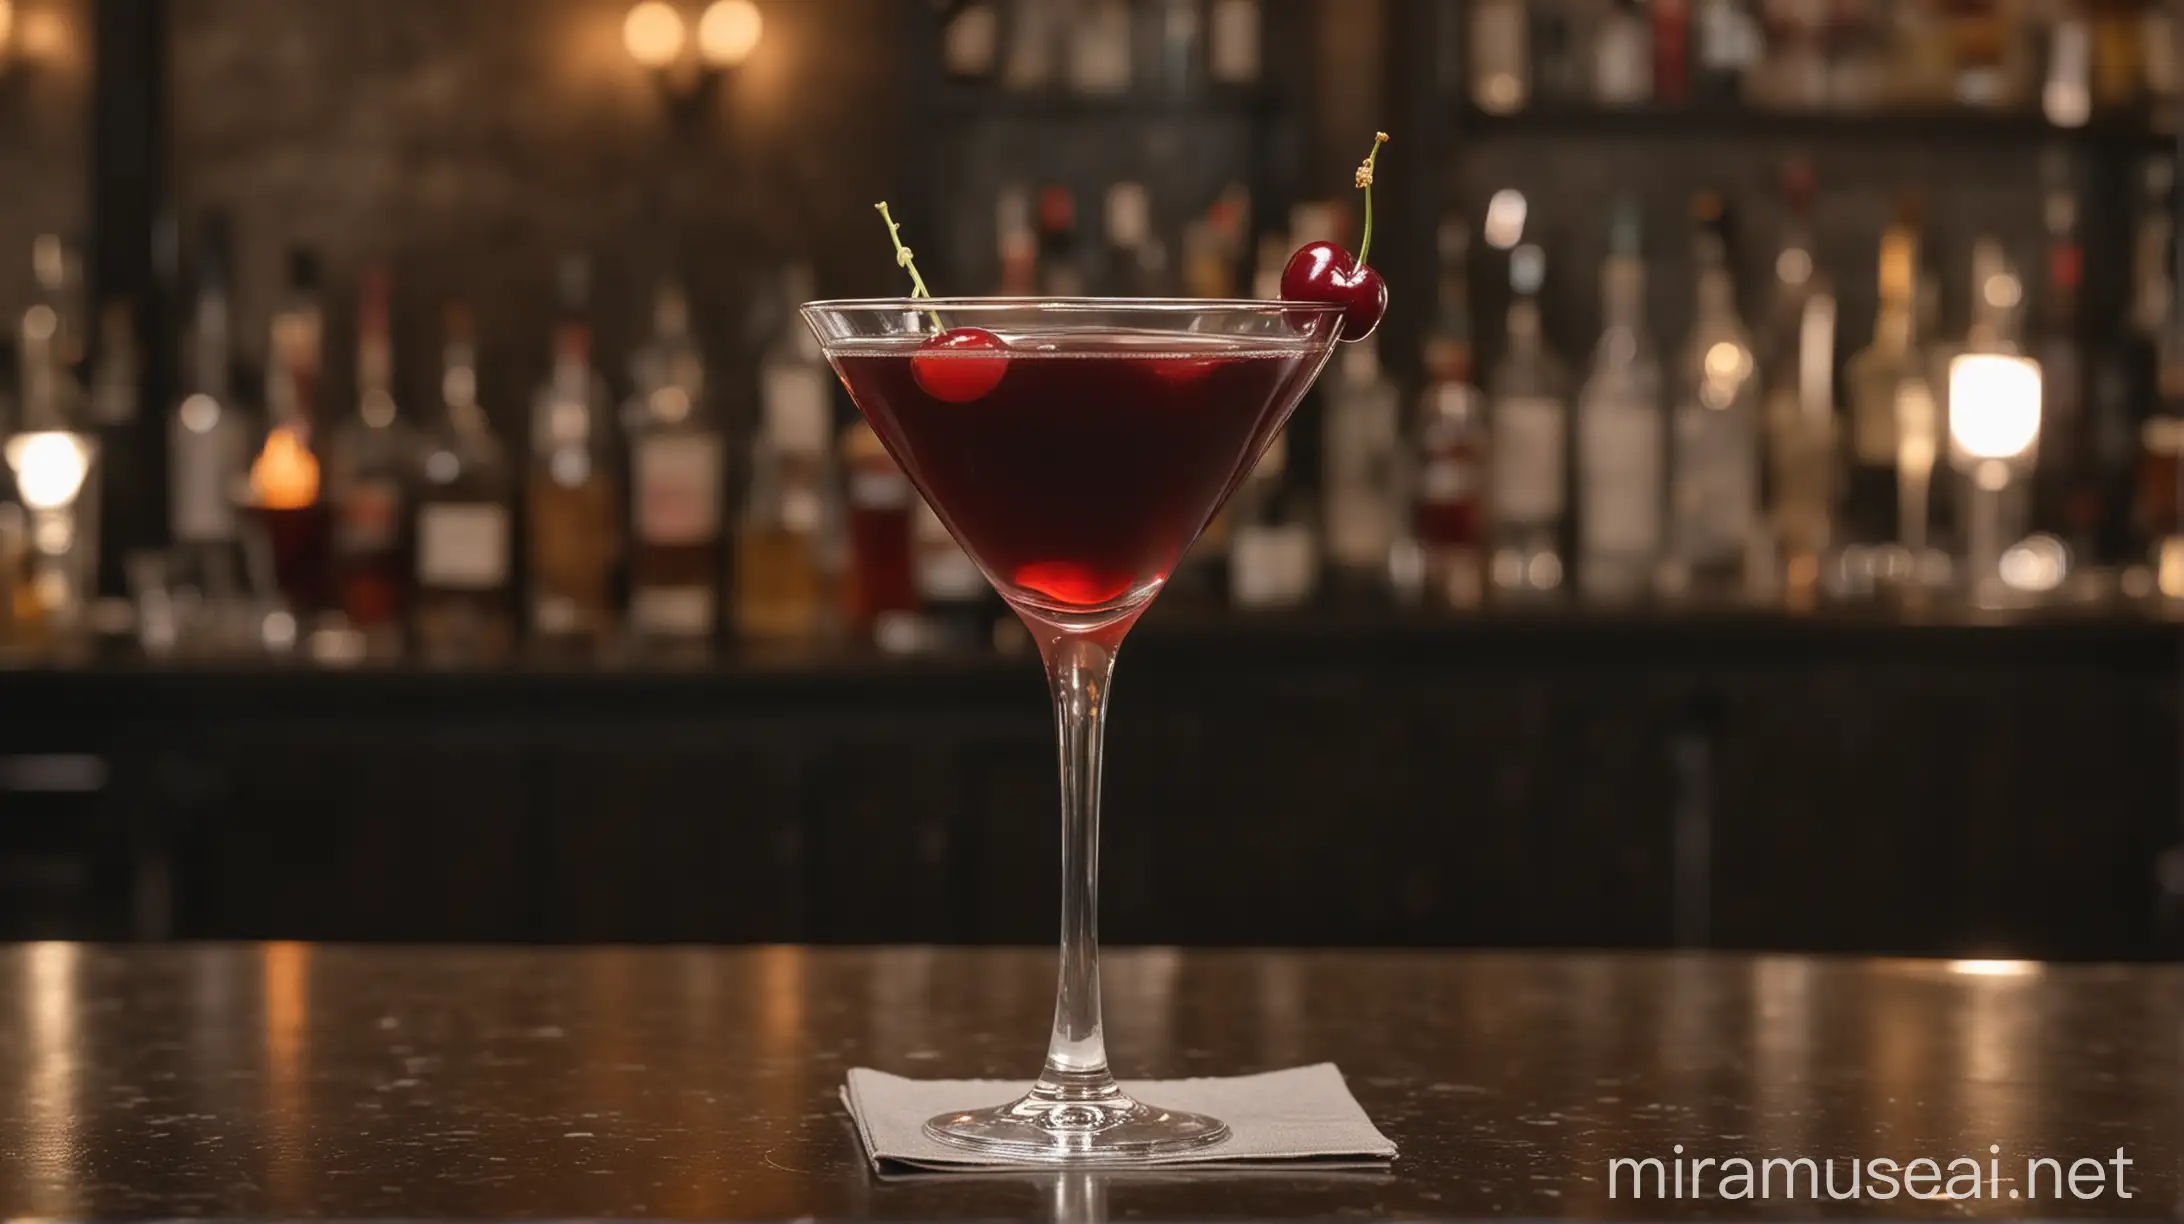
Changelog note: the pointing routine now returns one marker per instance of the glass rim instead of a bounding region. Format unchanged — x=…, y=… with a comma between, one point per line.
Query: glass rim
x=896, y=305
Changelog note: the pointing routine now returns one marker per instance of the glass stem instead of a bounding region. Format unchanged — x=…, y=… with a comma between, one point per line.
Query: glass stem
x=1079, y=669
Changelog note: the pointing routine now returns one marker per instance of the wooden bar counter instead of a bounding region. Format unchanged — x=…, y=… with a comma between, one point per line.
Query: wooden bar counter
x=295, y=1079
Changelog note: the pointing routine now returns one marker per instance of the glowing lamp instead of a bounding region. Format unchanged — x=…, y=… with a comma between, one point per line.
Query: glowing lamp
x=653, y=34
x=728, y=32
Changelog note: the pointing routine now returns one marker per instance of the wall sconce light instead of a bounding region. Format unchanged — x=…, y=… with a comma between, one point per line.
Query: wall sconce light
x=659, y=37
x=1994, y=439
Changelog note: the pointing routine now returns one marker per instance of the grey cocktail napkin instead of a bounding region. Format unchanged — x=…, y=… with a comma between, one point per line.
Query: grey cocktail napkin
x=1304, y=1114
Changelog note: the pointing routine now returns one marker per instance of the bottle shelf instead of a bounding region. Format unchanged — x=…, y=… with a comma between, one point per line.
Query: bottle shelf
x=2124, y=131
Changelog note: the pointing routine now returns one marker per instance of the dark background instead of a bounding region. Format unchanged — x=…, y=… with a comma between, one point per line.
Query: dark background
x=1318, y=779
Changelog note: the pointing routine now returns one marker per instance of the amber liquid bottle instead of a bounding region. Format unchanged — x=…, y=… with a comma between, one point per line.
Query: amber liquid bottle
x=575, y=496
x=371, y=457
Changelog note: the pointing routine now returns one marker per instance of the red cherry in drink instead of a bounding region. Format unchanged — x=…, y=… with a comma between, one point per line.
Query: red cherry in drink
x=949, y=368
x=1324, y=272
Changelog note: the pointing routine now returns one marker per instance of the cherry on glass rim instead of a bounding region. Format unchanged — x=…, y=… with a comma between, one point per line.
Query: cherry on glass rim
x=1324, y=272
x=948, y=367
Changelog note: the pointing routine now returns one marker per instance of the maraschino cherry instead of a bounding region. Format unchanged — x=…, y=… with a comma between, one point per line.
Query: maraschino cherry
x=1324, y=272
x=947, y=366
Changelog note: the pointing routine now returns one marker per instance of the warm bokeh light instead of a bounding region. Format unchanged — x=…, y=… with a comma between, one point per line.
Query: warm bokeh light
x=49, y=468
x=653, y=34
x=1994, y=405
x=7, y=26
x=1994, y=968
x=285, y=476
x=729, y=31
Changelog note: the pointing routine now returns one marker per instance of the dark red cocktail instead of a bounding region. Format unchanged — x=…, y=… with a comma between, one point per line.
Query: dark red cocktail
x=1080, y=477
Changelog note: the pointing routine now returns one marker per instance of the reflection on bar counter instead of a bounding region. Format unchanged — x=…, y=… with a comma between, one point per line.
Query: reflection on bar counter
x=1727, y=364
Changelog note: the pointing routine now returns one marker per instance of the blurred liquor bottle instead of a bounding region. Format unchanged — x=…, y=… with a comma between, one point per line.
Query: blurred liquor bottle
x=50, y=453
x=1099, y=48
x=1714, y=493
x=115, y=404
x=1136, y=263
x=1500, y=59
x=1622, y=435
x=574, y=524
x=1233, y=37
x=1792, y=73
x=2119, y=50
x=208, y=441
x=1360, y=493
x=2067, y=494
x=1171, y=46
x=2124, y=385
x=1671, y=51
x=2066, y=95
x=1623, y=56
x=464, y=610
x=1448, y=491
x=1273, y=550
x=879, y=593
x=1729, y=45
x=1554, y=39
x=971, y=40
x=1215, y=244
x=781, y=590
x=370, y=462
x=1530, y=421
x=957, y=608
x=678, y=484
x=2158, y=516
x=1061, y=269
x=291, y=522
x=1882, y=379
x=1032, y=44
x=1017, y=243
x=1798, y=379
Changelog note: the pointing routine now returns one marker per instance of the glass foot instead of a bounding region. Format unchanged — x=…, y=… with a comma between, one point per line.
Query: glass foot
x=1108, y=1126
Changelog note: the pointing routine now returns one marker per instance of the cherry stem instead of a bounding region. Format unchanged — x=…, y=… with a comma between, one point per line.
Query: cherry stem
x=905, y=260
x=1365, y=181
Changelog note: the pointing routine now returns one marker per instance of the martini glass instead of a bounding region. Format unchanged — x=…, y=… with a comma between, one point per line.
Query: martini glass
x=1075, y=467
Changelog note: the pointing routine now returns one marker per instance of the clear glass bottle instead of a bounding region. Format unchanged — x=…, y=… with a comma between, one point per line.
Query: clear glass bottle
x=575, y=491
x=780, y=543
x=678, y=487
x=1361, y=496
x=208, y=454
x=1801, y=446
x=1621, y=434
x=1529, y=420
x=464, y=608
x=1714, y=437
x=371, y=461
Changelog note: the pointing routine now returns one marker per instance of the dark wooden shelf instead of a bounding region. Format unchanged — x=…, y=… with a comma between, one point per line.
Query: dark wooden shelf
x=2122, y=131
x=994, y=103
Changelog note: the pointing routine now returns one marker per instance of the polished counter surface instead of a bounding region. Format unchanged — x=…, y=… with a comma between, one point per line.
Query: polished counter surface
x=293, y=1079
